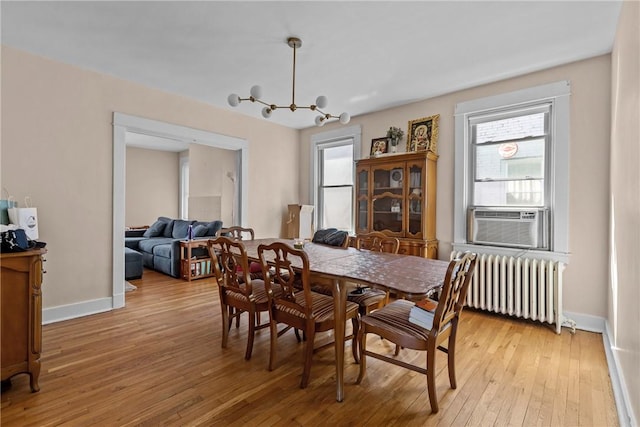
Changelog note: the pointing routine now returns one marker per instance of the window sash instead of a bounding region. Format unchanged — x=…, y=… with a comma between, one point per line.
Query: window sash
x=510, y=191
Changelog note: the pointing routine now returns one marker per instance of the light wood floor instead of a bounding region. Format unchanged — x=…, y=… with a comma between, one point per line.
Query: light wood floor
x=159, y=362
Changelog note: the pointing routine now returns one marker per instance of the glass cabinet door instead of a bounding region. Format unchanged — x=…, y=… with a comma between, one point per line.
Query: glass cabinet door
x=388, y=199
x=362, y=200
x=415, y=198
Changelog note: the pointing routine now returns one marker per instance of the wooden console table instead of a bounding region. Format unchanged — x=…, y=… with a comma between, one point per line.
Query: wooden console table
x=192, y=267
x=21, y=300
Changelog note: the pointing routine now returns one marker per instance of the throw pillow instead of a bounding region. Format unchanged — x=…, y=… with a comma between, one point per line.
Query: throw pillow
x=213, y=227
x=180, y=228
x=155, y=230
x=200, y=230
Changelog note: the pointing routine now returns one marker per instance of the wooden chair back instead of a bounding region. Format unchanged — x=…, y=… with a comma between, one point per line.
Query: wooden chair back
x=377, y=241
x=231, y=266
x=237, y=233
x=454, y=291
x=278, y=261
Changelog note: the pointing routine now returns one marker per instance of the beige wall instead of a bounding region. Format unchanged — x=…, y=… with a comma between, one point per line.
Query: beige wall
x=624, y=253
x=208, y=168
x=586, y=275
x=152, y=186
x=57, y=147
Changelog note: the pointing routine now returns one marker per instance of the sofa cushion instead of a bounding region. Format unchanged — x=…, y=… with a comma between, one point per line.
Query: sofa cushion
x=200, y=230
x=162, y=250
x=156, y=229
x=132, y=242
x=147, y=245
x=180, y=228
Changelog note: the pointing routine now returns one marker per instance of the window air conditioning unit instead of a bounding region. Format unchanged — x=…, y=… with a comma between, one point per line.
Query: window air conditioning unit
x=519, y=228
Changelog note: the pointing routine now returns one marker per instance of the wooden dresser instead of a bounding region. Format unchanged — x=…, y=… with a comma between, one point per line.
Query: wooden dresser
x=21, y=300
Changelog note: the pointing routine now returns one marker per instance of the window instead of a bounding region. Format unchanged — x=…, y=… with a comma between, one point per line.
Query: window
x=333, y=157
x=336, y=186
x=512, y=152
x=509, y=155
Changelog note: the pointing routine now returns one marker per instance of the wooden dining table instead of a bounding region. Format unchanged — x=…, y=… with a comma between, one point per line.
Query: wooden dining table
x=407, y=276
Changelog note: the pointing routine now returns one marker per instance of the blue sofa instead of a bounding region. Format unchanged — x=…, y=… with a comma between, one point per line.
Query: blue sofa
x=160, y=243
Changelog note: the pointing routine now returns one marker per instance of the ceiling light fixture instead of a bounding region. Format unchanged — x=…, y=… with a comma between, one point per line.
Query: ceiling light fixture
x=321, y=101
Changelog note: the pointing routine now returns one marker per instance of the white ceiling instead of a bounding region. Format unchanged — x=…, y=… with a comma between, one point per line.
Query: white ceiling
x=364, y=56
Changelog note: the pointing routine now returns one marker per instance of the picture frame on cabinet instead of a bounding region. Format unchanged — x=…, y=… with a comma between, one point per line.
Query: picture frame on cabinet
x=423, y=134
x=379, y=146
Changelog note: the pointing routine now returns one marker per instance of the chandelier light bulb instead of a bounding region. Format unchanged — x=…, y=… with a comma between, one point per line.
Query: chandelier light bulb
x=256, y=92
x=321, y=101
x=233, y=100
x=345, y=118
x=266, y=112
x=320, y=121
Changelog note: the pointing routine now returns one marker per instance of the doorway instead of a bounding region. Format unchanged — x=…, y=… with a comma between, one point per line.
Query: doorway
x=123, y=123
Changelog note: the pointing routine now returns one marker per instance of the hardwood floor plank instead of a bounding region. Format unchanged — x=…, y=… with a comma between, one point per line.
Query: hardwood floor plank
x=159, y=361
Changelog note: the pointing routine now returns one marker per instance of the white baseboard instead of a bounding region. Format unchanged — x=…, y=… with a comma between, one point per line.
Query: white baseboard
x=586, y=322
x=72, y=311
x=620, y=390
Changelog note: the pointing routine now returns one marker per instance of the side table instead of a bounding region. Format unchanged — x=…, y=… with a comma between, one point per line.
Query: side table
x=191, y=266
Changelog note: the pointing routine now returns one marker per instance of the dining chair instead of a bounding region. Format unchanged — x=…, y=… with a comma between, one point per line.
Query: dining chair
x=308, y=311
x=239, y=293
x=369, y=299
x=237, y=233
x=377, y=241
x=395, y=322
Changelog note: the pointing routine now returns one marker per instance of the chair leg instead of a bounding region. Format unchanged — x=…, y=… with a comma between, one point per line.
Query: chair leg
x=231, y=315
x=308, y=355
x=252, y=331
x=273, y=328
x=354, y=342
x=362, y=347
x=431, y=376
x=451, y=353
x=225, y=325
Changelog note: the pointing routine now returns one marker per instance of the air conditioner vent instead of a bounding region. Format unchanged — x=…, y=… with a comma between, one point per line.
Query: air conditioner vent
x=509, y=227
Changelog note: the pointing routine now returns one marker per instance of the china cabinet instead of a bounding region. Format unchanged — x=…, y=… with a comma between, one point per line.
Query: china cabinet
x=397, y=195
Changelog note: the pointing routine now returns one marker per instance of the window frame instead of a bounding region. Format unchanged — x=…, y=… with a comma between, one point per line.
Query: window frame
x=556, y=186
x=343, y=136
x=184, y=185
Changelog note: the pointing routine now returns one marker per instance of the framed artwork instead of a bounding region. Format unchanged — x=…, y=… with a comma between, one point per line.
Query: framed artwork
x=423, y=134
x=379, y=146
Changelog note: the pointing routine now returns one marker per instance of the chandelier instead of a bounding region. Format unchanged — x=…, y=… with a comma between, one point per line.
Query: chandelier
x=321, y=102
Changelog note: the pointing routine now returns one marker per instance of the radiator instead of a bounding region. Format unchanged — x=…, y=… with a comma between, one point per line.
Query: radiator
x=517, y=286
